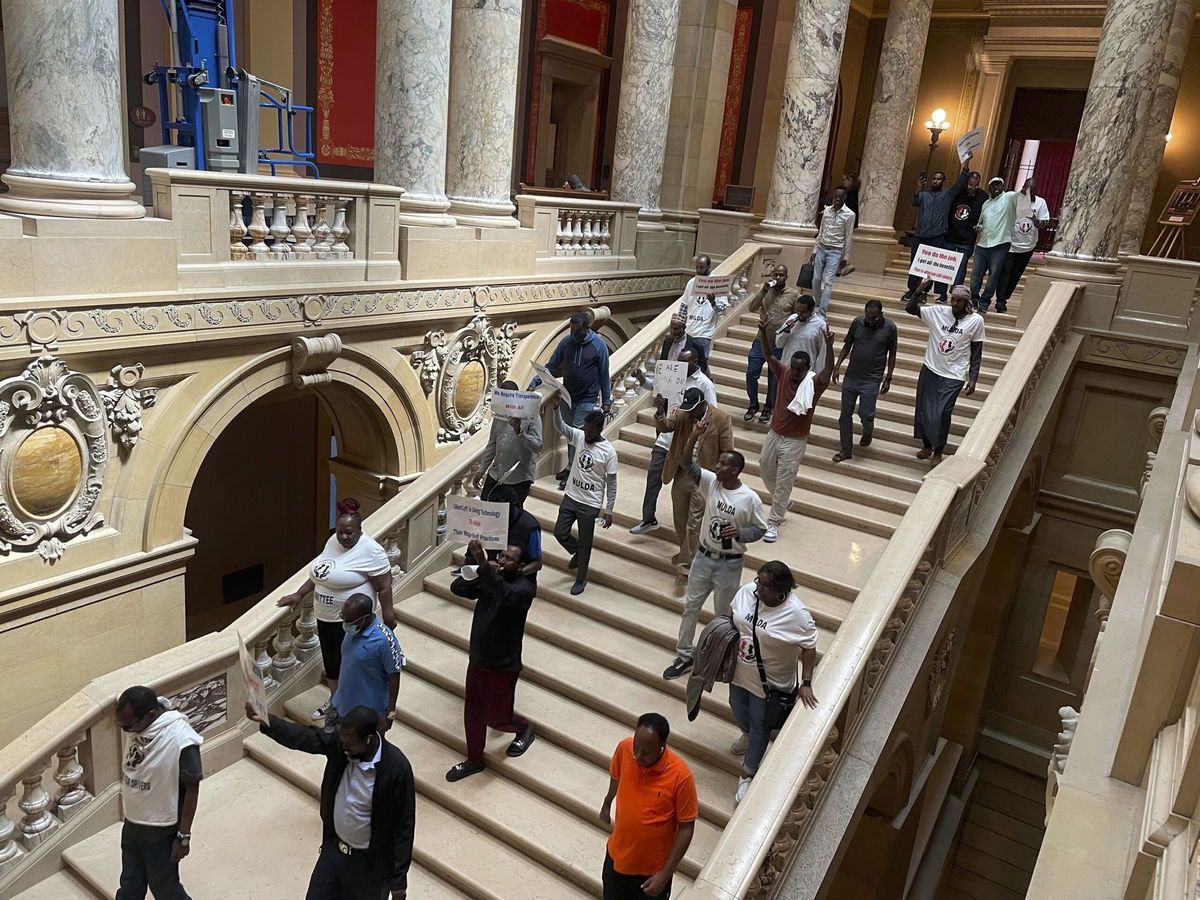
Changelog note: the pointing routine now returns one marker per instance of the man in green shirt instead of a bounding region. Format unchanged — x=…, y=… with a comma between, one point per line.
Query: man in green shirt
x=991, y=246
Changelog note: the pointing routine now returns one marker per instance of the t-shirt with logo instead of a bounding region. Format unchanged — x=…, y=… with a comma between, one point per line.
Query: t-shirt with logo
x=700, y=312
x=948, y=352
x=724, y=507
x=782, y=632
x=590, y=469
x=964, y=216
x=337, y=573
x=1025, y=231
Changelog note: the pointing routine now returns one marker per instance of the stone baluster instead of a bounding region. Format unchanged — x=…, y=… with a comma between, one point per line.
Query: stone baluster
x=576, y=233
x=562, y=237
x=340, y=230
x=586, y=244
x=262, y=662
x=10, y=849
x=301, y=231
x=306, y=626
x=280, y=230
x=394, y=548
x=237, y=227
x=258, y=229
x=606, y=233
x=322, y=234
x=37, y=823
x=72, y=794
x=284, y=659
x=441, y=517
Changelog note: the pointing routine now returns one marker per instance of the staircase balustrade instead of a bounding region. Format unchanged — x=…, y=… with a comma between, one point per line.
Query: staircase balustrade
x=576, y=234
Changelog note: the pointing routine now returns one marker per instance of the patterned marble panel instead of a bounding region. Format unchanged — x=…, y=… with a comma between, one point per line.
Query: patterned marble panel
x=206, y=705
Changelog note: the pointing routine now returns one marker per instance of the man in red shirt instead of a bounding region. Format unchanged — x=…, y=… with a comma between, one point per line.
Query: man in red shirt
x=797, y=391
x=656, y=814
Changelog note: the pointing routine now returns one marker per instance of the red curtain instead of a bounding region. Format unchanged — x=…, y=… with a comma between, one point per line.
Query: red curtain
x=1051, y=170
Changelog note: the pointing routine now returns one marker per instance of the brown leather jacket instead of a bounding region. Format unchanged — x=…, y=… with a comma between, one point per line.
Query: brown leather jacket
x=714, y=442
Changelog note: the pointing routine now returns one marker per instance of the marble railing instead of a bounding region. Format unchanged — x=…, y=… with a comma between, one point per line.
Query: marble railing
x=203, y=677
x=579, y=235
x=771, y=823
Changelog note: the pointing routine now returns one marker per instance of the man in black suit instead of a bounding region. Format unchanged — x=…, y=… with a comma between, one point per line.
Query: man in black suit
x=677, y=341
x=368, y=806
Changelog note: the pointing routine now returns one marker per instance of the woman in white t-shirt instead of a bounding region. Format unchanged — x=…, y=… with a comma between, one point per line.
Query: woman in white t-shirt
x=351, y=563
x=773, y=623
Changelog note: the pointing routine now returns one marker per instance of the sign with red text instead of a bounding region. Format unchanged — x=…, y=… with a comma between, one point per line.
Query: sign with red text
x=477, y=520
x=516, y=404
x=717, y=285
x=936, y=264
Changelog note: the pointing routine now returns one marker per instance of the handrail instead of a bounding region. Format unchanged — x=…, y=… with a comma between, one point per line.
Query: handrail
x=770, y=823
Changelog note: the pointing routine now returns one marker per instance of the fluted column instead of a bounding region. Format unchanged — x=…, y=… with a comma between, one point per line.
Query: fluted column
x=646, y=76
x=64, y=106
x=412, y=100
x=484, y=50
x=1162, y=107
x=810, y=86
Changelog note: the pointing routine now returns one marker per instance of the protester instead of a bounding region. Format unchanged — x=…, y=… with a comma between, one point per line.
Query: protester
x=511, y=453
x=776, y=301
x=368, y=806
x=803, y=330
x=1032, y=214
x=733, y=518
x=960, y=230
x=523, y=531
x=677, y=341
x=953, y=354
x=351, y=563
x=593, y=473
x=701, y=310
x=800, y=388
x=371, y=664
x=656, y=814
x=871, y=345
x=160, y=788
x=933, y=210
x=996, y=220
x=502, y=596
x=658, y=455
x=835, y=238
x=778, y=637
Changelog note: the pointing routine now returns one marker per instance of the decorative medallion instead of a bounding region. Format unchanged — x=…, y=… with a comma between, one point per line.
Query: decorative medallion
x=124, y=402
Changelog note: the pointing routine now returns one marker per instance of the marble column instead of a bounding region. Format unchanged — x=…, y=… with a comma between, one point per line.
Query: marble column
x=64, y=106
x=1162, y=107
x=484, y=54
x=810, y=86
x=647, y=73
x=412, y=100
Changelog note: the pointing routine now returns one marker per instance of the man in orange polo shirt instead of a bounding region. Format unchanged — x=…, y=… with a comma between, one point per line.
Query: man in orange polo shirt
x=656, y=814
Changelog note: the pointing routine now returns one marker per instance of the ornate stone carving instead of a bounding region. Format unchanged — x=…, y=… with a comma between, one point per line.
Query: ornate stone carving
x=42, y=329
x=1107, y=562
x=1134, y=354
x=938, y=672
x=53, y=457
x=1058, y=756
x=124, y=402
x=311, y=358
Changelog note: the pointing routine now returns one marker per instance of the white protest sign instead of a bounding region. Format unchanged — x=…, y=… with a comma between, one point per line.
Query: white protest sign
x=717, y=285
x=670, y=381
x=515, y=404
x=969, y=143
x=936, y=264
x=256, y=691
x=551, y=382
x=477, y=520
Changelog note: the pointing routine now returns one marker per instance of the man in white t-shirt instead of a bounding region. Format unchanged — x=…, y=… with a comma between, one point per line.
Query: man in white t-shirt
x=777, y=640
x=1032, y=214
x=952, y=359
x=593, y=473
x=733, y=517
x=701, y=310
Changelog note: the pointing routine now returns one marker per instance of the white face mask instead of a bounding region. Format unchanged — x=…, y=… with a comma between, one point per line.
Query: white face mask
x=356, y=626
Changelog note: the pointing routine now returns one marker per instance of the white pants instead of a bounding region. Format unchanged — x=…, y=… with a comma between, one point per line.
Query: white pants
x=780, y=461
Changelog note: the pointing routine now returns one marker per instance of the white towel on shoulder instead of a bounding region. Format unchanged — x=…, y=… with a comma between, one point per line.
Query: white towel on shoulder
x=803, y=401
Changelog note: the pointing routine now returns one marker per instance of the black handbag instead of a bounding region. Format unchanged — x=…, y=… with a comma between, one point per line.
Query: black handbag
x=779, y=703
x=805, y=278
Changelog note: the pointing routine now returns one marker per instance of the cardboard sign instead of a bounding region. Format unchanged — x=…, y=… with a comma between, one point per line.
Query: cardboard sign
x=670, y=381
x=516, y=404
x=936, y=264
x=969, y=143
x=551, y=382
x=256, y=691
x=717, y=285
x=477, y=520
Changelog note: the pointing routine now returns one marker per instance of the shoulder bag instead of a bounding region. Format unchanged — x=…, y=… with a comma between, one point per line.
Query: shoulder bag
x=779, y=703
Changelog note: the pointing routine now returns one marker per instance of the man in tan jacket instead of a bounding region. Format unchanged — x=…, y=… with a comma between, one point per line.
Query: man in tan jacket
x=687, y=505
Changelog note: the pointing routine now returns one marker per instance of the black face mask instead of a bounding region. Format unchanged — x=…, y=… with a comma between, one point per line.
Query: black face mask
x=580, y=337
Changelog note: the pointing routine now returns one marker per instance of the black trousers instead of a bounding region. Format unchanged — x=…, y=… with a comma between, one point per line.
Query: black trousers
x=521, y=487
x=571, y=513
x=627, y=887
x=330, y=636
x=340, y=877
x=147, y=864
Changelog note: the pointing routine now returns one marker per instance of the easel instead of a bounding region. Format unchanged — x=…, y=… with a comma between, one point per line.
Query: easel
x=1181, y=210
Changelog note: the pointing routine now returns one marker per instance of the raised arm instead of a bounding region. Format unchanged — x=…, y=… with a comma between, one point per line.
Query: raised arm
x=529, y=433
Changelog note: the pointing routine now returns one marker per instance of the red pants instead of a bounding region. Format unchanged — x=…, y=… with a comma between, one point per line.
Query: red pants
x=489, y=704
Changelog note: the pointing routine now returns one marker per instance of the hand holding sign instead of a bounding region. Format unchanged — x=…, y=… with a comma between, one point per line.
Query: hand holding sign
x=968, y=144
x=551, y=382
x=670, y=380
x=516, y=404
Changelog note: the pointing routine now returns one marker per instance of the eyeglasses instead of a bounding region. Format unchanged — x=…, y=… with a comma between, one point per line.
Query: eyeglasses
x=133, y=726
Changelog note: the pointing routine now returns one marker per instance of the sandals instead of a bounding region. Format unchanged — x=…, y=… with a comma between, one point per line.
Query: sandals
x=521, y=742
x=838, y=457
x=462, y=770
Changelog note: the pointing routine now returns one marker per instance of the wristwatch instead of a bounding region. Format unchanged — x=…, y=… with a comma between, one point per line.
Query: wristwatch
x=184, y=839
x=807, y=682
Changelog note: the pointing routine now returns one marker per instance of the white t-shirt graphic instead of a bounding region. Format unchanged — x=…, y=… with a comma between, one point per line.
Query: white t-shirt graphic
x=782, y=632
x=337, y=573
x=948, y=352
x=1025, y=232
x=590, y=469
x=701, y=312
x=723, y=507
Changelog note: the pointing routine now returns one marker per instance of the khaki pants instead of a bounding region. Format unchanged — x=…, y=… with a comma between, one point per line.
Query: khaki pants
x=687, y=510
x=780, y=461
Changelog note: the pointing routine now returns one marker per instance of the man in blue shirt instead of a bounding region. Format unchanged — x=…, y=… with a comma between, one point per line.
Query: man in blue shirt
x=371, y=664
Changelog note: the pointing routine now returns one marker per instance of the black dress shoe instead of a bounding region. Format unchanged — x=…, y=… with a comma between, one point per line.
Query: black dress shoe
x=562, y=476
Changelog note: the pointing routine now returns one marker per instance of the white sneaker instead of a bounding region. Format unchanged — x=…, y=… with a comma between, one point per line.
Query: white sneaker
x=743, y=786
x=321, y=711
x=645, y=527
x=740, y=745
x=771, y=536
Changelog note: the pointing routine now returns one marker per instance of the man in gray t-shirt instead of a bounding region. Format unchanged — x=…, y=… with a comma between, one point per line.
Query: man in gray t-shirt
x=871, y=346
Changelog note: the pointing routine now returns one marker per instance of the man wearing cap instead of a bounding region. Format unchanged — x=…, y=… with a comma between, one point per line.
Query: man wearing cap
x=677, y=341
x=996, y=220
x=687, y=504
x=1032, y=214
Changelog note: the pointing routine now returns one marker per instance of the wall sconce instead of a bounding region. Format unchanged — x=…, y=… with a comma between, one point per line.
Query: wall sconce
x=1169, y=136
x=936, y=125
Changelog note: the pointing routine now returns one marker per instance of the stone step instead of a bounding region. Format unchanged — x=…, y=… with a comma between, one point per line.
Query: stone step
x=62, y=885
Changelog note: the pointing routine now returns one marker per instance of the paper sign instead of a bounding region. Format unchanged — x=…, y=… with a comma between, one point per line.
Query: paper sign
x=477, y=520
x=670, y=381
x=516, y=404
x=717, y=285
x=256, y=691
x=969, y=143
x=936, y=264
x=551, y=382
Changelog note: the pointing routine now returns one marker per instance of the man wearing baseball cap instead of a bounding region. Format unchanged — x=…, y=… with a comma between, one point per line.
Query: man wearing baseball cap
x=991, y=248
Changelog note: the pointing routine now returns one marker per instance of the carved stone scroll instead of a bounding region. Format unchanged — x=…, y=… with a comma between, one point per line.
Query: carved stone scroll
x=311, y=358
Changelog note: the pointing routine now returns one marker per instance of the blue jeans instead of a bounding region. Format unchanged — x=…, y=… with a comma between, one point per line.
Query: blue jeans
x=750, y=712
x=966, y=250
x=825, y=266
x=988, y=261
x=574, y=416
x=754, y=368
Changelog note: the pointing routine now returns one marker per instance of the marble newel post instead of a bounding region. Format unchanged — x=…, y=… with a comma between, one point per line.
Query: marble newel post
x=646, y=77
x=810, y=86
x=888, y=131
x=412, y=98
x=64, y=107
x=484, y=53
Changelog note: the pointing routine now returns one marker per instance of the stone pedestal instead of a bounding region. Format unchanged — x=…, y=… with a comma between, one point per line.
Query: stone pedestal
x=485, y=47
x=1101, y=279
x=1157, y=298
x=722, y=231
x=64, y=105
x=873, y=245
x=412, y=99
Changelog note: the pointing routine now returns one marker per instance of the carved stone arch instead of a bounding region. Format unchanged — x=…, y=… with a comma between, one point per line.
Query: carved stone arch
x=892, y=792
